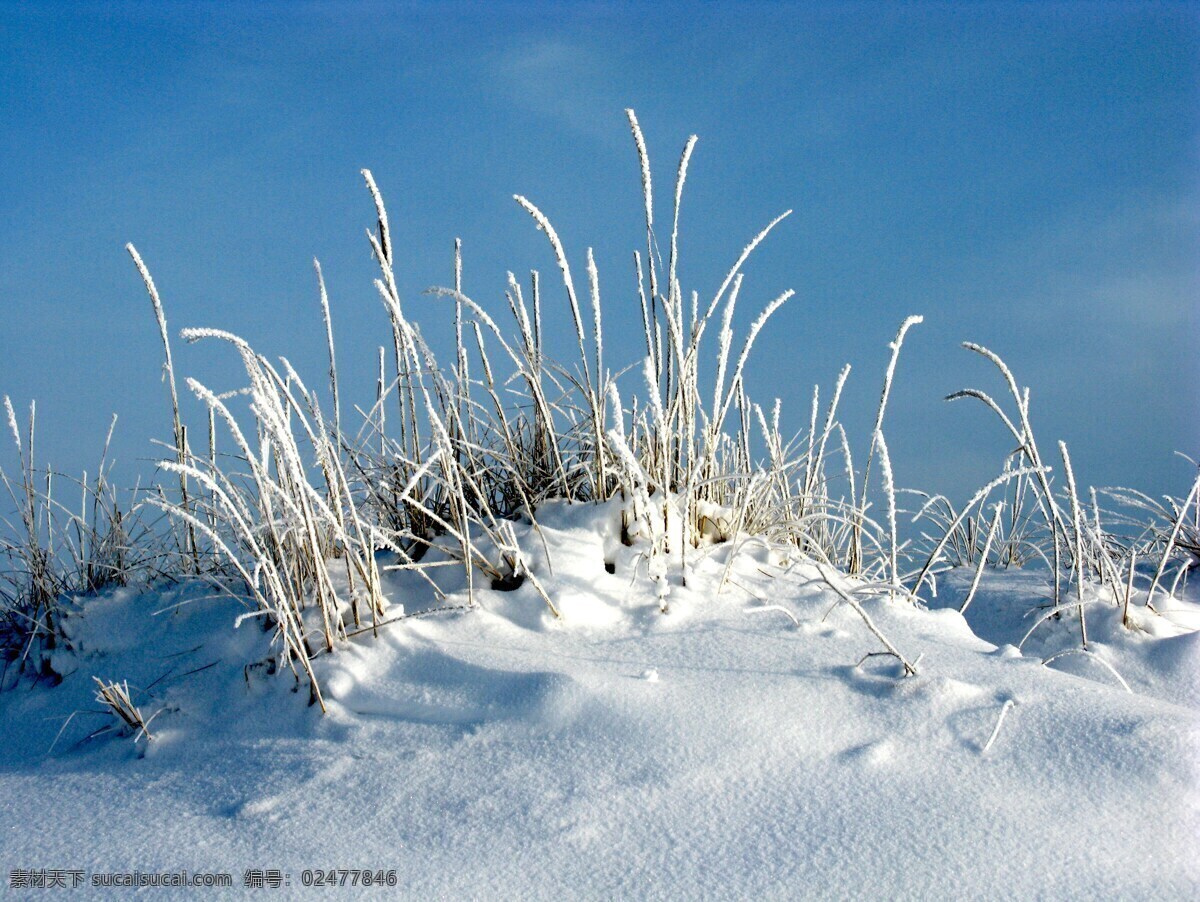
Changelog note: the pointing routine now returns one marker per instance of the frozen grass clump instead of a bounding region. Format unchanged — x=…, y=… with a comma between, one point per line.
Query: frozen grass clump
x=65, y=538
x=441, y=462
x=119, y=703
x=1136, y=550
x=303, y=515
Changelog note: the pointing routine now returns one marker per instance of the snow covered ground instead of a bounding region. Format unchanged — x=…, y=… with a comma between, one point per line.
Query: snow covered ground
x=622, y=753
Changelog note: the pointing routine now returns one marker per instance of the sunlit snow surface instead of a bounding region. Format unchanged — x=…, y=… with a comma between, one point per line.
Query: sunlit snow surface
x=620, y=752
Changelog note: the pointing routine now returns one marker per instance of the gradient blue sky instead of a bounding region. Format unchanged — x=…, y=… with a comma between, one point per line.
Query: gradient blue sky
x=1023, y=175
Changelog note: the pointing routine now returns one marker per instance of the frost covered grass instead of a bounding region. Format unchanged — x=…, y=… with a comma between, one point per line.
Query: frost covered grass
x=64, y=538
x=117, y=699
x=500, y=586
x=441, y=463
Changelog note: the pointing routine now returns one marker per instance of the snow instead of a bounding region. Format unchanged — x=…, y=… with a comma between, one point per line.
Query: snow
x=621, y=752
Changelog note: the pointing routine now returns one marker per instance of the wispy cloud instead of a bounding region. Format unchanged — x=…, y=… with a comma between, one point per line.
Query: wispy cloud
x=560, y=80
x=1132, y=268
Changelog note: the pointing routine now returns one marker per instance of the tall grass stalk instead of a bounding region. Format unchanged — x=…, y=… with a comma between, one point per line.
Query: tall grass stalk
x=190, y=549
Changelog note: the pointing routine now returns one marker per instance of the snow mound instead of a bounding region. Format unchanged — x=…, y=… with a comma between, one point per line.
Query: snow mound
x=618, y=751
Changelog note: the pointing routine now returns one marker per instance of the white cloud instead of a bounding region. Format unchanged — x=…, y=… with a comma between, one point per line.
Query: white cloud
x=562, y=81
x=1134, y=267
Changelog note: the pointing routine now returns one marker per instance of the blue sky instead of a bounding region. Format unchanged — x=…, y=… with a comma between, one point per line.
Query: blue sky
x=1023, y=175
